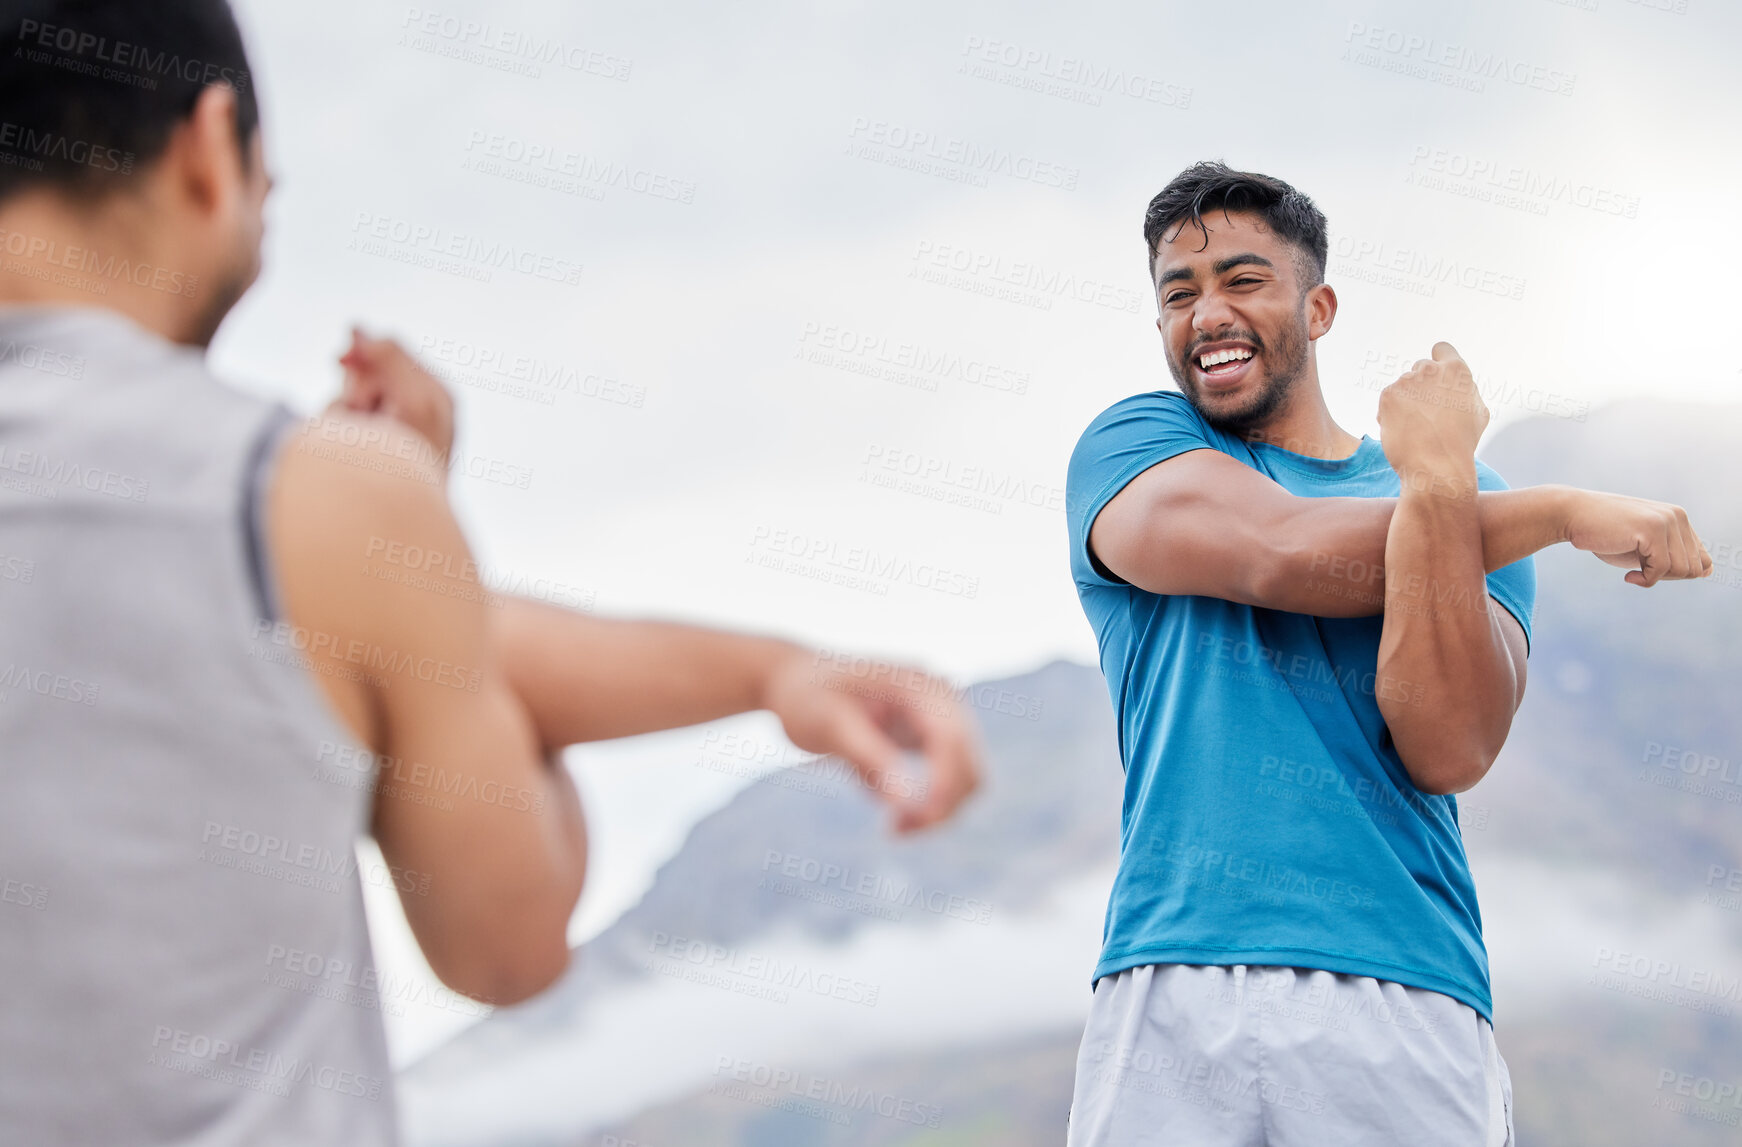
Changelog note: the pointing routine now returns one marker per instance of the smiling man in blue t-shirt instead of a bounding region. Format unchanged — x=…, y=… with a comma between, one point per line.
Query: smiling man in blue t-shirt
x=1312, y=640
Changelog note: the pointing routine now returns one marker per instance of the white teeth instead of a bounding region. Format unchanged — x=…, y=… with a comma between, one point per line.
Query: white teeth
x=1221, y=356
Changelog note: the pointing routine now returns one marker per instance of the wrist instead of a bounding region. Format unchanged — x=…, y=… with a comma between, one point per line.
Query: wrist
x=1562, y=505
x=775, y=663
x=1438, y=477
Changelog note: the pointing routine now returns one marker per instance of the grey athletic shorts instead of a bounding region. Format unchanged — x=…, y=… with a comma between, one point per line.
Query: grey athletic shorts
x=1250, y=1056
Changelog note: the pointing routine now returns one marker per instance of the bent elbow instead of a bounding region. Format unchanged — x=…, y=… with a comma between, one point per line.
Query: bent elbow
x=1446, y=781
x=512, y=974
x=1446, y=774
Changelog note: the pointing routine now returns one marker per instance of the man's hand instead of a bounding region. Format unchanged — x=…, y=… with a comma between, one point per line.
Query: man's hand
x=1653, y=541
x=381, y=378
x=868, y=720
x=1431, y=418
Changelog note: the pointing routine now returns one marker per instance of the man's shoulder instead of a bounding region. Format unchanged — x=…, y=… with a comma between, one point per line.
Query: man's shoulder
x=1165, y=403
x=1138, y=418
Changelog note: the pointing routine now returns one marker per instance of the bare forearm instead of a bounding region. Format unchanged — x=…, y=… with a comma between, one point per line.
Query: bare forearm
x=1334, y=559
x=1445, y=681
x=585, y=678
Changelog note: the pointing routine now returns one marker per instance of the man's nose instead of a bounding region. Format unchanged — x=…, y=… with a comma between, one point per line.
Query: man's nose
x=1211, y=313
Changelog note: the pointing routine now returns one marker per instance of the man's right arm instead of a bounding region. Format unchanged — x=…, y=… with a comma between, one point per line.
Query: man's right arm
x=505, y=856
x=1201, y=523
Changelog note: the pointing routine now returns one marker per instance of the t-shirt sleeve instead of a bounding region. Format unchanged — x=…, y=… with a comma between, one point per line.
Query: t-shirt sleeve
x=1513, y=586
x=1124, y=440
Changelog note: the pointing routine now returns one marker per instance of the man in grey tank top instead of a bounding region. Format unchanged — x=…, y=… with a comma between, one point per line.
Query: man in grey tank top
x=205, y=680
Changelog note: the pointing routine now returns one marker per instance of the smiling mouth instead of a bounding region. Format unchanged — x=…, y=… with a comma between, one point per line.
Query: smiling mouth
x=1223, y=361
x=1223, y=364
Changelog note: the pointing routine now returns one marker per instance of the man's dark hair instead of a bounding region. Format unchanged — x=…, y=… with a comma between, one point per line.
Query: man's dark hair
x=91, y=90
x=1214, y=186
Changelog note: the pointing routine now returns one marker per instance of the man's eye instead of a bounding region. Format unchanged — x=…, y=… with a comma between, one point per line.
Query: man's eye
x=1244, y=279
x=1178, y=295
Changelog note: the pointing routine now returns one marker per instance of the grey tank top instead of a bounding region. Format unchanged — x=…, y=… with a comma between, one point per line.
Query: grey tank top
x=182, y=941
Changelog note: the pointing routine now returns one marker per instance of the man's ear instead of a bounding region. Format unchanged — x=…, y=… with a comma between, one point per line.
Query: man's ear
x=204, y=160
x=1321, y=310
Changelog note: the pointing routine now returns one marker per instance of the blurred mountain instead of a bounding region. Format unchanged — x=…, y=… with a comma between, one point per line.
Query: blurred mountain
x=776, y=903
x=1626, y=682
x=792, y=949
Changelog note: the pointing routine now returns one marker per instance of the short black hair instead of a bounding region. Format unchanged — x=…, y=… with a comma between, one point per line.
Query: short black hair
x=1211, y=185
x=91, y=90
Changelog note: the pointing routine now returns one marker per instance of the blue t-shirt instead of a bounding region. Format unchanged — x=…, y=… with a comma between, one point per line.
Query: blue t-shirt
x=1267, y=816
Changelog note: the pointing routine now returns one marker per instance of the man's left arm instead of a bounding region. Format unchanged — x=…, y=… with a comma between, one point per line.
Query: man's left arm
x=584, y=678
x=1451, y=659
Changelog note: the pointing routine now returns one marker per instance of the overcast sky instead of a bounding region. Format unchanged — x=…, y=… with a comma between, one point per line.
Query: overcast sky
x=756, y=246
x=799, y=288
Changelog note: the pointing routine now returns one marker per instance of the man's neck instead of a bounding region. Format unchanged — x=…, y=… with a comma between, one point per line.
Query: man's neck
x=1304, y=426
x=74, y=259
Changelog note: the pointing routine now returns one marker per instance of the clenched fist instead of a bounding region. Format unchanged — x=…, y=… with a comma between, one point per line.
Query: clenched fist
x=1431, y=418
x=1654, y=541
